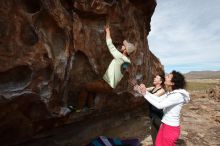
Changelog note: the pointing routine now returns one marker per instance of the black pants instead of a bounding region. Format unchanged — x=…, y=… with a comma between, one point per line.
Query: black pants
x=155, y=125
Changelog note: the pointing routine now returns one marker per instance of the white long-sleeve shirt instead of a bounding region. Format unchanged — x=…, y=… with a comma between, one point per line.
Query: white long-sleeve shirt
x=171, y=103
x=113, y=74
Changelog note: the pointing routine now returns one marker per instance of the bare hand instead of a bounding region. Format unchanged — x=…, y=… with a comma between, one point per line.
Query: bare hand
x=137, y=88
x=140, y=89
x=142, y=86
x=107, y=28
x=143, y=90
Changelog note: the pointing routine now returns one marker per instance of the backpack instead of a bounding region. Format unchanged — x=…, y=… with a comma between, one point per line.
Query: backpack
x=105, y=141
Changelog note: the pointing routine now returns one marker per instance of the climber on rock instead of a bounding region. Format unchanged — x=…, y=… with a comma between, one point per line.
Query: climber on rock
x=112, y=76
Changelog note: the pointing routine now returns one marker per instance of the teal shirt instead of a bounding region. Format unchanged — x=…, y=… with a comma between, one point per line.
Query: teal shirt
x=113, y=74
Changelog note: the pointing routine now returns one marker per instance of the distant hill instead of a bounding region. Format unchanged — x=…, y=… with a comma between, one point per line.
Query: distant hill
x=203, y=75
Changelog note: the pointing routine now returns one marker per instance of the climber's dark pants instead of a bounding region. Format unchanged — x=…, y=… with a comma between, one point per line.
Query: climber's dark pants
x=89, y=89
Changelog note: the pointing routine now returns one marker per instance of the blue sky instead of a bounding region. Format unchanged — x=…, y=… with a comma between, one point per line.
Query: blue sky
x=185, y=34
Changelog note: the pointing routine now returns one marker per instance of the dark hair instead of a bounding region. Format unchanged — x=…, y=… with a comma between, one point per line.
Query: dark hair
x=178, y=80
x=162, y=78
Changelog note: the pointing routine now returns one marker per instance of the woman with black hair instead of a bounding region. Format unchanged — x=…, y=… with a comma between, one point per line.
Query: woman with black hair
x=156, y=114
x=171, y=103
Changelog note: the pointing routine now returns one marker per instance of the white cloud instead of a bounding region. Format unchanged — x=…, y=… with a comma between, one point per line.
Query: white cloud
x=185, y=34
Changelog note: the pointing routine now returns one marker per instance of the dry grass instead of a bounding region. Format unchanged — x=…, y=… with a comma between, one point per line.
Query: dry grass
x=201, y=85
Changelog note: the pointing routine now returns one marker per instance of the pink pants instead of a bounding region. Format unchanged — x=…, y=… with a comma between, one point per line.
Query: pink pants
x=167, y=135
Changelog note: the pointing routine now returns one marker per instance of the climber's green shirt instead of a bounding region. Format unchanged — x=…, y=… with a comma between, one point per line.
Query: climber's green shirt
x=113, y=74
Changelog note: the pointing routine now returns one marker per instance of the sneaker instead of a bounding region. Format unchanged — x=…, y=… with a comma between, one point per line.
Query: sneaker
x=71, y=108
x=64, y=111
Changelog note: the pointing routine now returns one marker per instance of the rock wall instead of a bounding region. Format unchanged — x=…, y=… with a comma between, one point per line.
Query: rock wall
x=49, y=48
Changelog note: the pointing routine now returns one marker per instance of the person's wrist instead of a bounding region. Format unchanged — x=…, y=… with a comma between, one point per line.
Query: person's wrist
x=146, y=92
